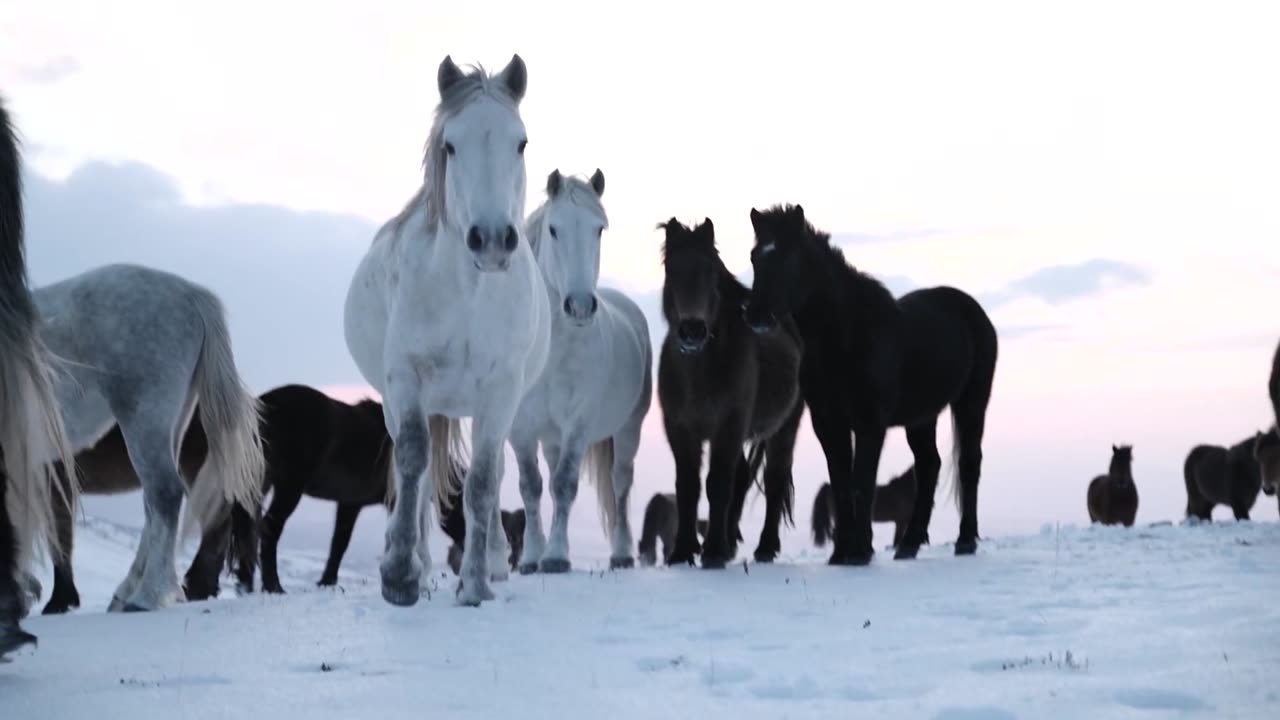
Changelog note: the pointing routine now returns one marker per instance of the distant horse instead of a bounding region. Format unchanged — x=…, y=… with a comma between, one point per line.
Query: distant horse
x=454, y=525
x=321, y=447
x=872, y=363
x=722, y=384
x=105, y=469
x=893, y=502
x=145, y=346
x=1216, y=475
x=1113, y=498
x=587, y=408
x=660, y=520
x=31, y=426
x=447, y=317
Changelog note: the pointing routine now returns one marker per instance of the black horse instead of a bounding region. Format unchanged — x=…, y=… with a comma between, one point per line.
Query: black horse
x=318, y=446
x=719, y=383
x=1217, y=475
x=872, y=363
x=1112, y=499
x=1266, y=449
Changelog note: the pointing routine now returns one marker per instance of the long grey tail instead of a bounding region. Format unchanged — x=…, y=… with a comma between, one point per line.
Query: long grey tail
x=32, y=434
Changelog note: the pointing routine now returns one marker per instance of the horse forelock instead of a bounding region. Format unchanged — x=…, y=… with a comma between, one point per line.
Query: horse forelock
x=475, y=84
x=577, y=192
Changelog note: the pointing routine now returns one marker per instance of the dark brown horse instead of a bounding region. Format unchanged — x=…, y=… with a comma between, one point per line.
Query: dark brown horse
x=893, y=502
x=1217, y=475
x=1113, y=498
x=660, y=520
x=721, y=384
x=1266, y=452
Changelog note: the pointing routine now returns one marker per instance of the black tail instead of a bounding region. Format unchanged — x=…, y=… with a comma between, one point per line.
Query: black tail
x=822, y=516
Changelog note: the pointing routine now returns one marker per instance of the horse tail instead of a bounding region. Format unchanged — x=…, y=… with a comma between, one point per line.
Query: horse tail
x=231, y=417
x=32, y=434
x=598, y=465
x=755, y=461
x=448, y=457
x=822, y=515
x=969, y=410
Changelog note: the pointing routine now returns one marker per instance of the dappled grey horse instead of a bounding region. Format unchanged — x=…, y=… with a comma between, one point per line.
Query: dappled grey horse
x=143, y=347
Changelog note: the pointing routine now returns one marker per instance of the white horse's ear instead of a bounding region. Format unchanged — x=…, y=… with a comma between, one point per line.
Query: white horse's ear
x=597, y=183
x=448, y=75
x=515, y=76
x=554, y=182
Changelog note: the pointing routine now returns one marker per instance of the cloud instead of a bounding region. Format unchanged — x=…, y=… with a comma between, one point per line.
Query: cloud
x=50, y=71
x=281, y=274
x=1016, y=332
x=1057, y=284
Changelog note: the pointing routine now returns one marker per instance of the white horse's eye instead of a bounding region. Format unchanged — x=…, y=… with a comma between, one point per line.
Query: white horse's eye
x=449, y=149
x=599, y=232
x=554, y=234
x=521, y=148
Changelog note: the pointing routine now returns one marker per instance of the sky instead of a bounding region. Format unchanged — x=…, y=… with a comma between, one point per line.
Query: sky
x=1102, y=176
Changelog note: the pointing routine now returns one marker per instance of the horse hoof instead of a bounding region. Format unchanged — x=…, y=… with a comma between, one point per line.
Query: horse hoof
x=622, y=563
x=116, y=604
x=468, y=596
x=327, y=582
x=13, y=638
x=400, y=592
x=554, y=566
x=906, y=552
x=968, y=546
x=713, y=561
x=766, y=556
x=851, y=559
x=276, y=590
x=59, y=607
x=528, y=568
x=134, y=608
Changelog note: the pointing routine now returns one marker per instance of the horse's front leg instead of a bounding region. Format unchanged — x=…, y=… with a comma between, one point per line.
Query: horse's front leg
x=490, y=428
x=401, y=566
x=726, y=454
x=686, y=450
x=525, y=446
x=564, y=490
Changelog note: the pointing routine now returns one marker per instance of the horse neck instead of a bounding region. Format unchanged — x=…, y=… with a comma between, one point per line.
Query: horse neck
x=1120, y=473
x=843, y=294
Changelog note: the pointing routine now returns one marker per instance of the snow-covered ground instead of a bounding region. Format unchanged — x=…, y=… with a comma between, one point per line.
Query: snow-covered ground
x=1150, y=622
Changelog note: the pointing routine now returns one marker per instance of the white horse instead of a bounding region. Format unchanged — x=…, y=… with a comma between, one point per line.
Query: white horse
x=589, y=404
x=143, y=346
x=31, y=429
x=447, y=318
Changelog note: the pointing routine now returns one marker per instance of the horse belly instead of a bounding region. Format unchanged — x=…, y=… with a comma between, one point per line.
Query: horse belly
x=86, y=414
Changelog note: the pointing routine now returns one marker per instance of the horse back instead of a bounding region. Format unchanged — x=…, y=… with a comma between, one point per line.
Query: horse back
x=1207, y=470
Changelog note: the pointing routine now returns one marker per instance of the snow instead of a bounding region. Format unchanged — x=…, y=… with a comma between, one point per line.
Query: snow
x=1148, y=622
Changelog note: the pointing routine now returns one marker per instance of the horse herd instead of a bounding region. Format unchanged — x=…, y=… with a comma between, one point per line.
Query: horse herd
x=123, y=377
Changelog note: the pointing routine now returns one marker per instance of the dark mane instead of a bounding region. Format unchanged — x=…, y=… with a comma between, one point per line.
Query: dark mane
x=865, y=290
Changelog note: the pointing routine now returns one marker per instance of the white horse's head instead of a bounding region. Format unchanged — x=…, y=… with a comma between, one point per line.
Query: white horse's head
x=475, y=176
x=565, y=233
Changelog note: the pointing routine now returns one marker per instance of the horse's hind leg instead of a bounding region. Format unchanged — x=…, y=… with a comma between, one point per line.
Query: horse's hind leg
x=969, y=421
x=923, y=440
x=344, y=523
x=625, y=446
x=12, y=636
x=64, y=596
x=525, y=448
x=201, y=581
x=778, y=485
x=163, y=490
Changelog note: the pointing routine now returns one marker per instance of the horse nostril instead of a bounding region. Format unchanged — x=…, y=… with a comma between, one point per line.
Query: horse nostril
x=568, y=307
x=510, y=240
x=474, y=241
